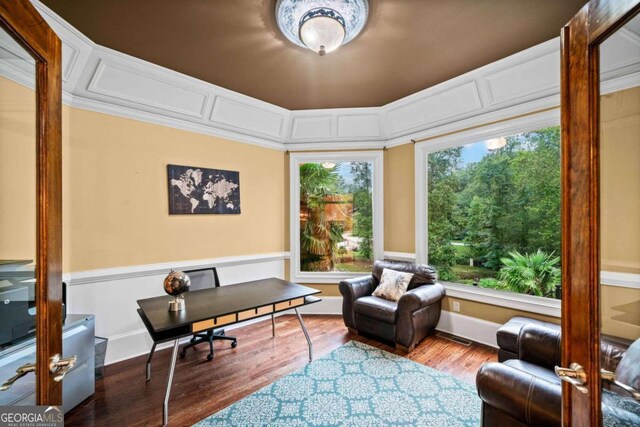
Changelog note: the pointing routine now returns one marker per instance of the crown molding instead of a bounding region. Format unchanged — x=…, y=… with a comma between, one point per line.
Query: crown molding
x=101, y=79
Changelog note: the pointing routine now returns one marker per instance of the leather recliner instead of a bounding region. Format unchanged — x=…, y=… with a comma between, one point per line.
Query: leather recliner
x=525, y=391
x=406, y=322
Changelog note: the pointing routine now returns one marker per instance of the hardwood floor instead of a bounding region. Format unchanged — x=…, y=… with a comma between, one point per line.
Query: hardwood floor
x=201, y=388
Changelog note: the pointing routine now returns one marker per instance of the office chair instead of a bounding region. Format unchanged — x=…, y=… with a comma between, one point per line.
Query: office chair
x=203, y=279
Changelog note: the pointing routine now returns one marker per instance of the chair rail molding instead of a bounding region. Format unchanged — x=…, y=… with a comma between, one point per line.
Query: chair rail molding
x=104, y=80
x=400, y=256
x=105, y=275
x=622, y=280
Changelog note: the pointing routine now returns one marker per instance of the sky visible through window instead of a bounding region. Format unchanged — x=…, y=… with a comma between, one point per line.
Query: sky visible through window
x=473, y=152
x=344, y=170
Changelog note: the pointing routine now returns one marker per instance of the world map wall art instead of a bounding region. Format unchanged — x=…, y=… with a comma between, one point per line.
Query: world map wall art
x=194, y=190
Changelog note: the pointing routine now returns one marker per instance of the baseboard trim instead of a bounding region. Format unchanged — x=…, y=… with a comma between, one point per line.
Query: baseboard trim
x=474, y=329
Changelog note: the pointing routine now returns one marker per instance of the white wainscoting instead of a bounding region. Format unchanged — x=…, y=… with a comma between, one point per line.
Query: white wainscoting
x=112, y=297
x=468, y=327
x=328, y=305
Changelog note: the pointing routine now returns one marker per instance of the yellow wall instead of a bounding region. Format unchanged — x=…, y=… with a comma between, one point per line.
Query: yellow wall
x=620, y=312
x=66, y=194
x=17, y=171
x=118, y=203
x=620, y=209
x=620, y=181
x=399, y=196
x=115, y=202
x=490, y=312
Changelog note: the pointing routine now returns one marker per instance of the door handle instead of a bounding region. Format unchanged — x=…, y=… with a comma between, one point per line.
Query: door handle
x=59, y=366
x=20, y=372
x=574, y=375
x=610, y=377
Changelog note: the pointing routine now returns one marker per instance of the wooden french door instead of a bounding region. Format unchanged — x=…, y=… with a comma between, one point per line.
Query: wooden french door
x=582, y=40
x=29, y=40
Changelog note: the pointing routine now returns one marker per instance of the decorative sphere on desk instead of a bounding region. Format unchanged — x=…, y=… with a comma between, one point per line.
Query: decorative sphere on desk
x=176, y=283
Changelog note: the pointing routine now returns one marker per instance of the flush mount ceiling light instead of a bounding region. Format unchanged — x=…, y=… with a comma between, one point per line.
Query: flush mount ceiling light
x=494, y=144
x=321, y=25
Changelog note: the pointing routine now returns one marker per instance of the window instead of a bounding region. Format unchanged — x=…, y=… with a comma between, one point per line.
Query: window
x=336, y=222
x=492, y=211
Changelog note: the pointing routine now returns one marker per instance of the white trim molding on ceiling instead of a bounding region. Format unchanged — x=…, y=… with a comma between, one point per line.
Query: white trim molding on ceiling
x=104, y=80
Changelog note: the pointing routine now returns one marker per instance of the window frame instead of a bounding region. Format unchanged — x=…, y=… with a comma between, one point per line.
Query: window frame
x=532, y=122
x=295, y=159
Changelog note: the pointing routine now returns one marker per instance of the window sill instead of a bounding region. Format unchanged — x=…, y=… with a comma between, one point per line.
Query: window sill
x=532, y=304
x=326, y=278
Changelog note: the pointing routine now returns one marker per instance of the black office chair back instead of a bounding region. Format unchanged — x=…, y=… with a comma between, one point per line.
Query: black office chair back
x=203, y=278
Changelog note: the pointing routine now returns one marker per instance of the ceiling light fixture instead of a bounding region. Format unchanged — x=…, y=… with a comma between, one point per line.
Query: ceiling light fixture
x=328, y=165
x=495, y=143
x=321, y=25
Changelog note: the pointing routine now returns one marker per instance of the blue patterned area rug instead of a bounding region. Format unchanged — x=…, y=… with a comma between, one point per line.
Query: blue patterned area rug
x=357, y=385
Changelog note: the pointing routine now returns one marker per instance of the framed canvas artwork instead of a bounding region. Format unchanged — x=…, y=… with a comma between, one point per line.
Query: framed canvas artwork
x=195, y=190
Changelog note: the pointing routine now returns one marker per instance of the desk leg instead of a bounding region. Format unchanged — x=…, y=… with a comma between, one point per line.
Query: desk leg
x=148, y=370
x=273, y=326
x=165, y=405
x=306, y=334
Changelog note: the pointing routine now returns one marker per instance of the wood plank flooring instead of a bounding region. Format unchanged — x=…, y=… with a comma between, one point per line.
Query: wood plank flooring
x=200, y=388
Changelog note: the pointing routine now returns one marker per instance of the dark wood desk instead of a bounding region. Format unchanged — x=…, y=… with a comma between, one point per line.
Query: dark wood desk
x=212, y=308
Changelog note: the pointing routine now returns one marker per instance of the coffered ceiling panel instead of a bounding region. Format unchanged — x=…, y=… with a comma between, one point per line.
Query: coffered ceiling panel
x=406, y=46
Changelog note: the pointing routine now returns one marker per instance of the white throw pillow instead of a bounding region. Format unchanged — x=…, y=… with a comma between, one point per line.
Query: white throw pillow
x=393, y=284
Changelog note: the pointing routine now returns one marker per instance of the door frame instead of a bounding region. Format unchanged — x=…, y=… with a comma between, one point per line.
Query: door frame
x=580, y=112
x=23, y=22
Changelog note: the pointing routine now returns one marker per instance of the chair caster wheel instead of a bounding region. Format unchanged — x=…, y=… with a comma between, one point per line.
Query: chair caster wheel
x=234, y=344
x=221, y=333
x=209, y=357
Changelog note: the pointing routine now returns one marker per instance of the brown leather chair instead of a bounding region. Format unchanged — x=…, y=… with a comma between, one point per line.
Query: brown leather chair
x=406, y=322
x=525, y=391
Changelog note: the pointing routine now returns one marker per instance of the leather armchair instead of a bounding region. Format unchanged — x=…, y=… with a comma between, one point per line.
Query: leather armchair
x=406, y=322
x=525, y=391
